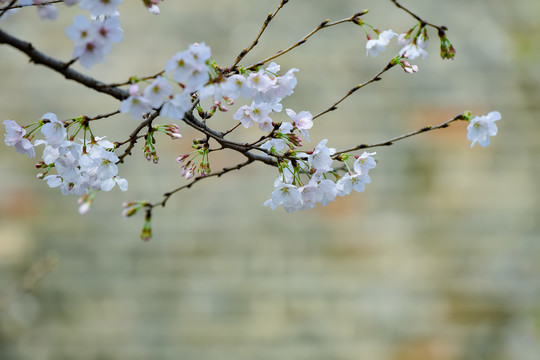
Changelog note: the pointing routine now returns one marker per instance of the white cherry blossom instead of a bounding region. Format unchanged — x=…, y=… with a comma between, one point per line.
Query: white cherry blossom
x=54, y=130
x=481, y=128
x=375, y=46
x=364, y=163
x=15, y=137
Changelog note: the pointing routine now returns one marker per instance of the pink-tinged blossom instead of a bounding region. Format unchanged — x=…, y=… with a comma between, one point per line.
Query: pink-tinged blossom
x=320, y=158
x=48, y=12
x=328, y=191
x=481, y=128
x=136, y=105
x=311, y=195
x=403, y=39
x=93, y=38
x=99, y=163
x=159, y=89
x=349, y=182
x=234, y=87
x=260, y=81
x=189, y=67
x=285, y=84
x=54, y=130
x=101, y=7
x=259, y=112
x=152, y=6
x=109, y=30
x=287, y=195
x=303, y=121
x=45, y=11
x=109, y=184
x=81, y=29
x=15, y=137
x=153, y=9
x=243, y=114
x=90, y=51
x=266, y=124
x=274, y=145
x=50, y=154
x=176, y=107
x=415, y=49
x=364, y=163
x=375, y=46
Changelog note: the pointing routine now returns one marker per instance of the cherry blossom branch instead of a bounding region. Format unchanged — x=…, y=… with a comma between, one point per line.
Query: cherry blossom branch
x=38, y=57
x=325, y=24
x=225, y=170
x=269, y=18
x=389, y=142
x=354, y=89
x=422, y=21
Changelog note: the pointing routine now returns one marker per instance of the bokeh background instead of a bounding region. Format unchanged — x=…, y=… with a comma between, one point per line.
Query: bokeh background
x=437, y=260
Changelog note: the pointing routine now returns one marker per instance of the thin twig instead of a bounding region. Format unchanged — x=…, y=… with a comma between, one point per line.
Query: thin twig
x=404, y=136
x=103, y=116
x=323, y=25
x=231, y=129
x=167, y=195
x=354, y=89
x=269, y=18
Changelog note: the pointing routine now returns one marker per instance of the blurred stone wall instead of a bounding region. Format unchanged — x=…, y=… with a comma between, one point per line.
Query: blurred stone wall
x=437, y=260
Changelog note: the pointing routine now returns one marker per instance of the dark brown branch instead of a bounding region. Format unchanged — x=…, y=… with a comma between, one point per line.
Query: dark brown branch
x=217, y=136
x=63, y=68
x=404, y=136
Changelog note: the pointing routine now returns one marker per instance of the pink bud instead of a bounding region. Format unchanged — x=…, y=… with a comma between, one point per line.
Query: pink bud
x=133, y=89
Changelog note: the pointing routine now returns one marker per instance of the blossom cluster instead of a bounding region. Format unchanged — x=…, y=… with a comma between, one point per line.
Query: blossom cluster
x=294, y=194
x=189, y=81
x=93, y=38
x=81, y=166
x=411, y=48
x=189, y=69
x=265, y=88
